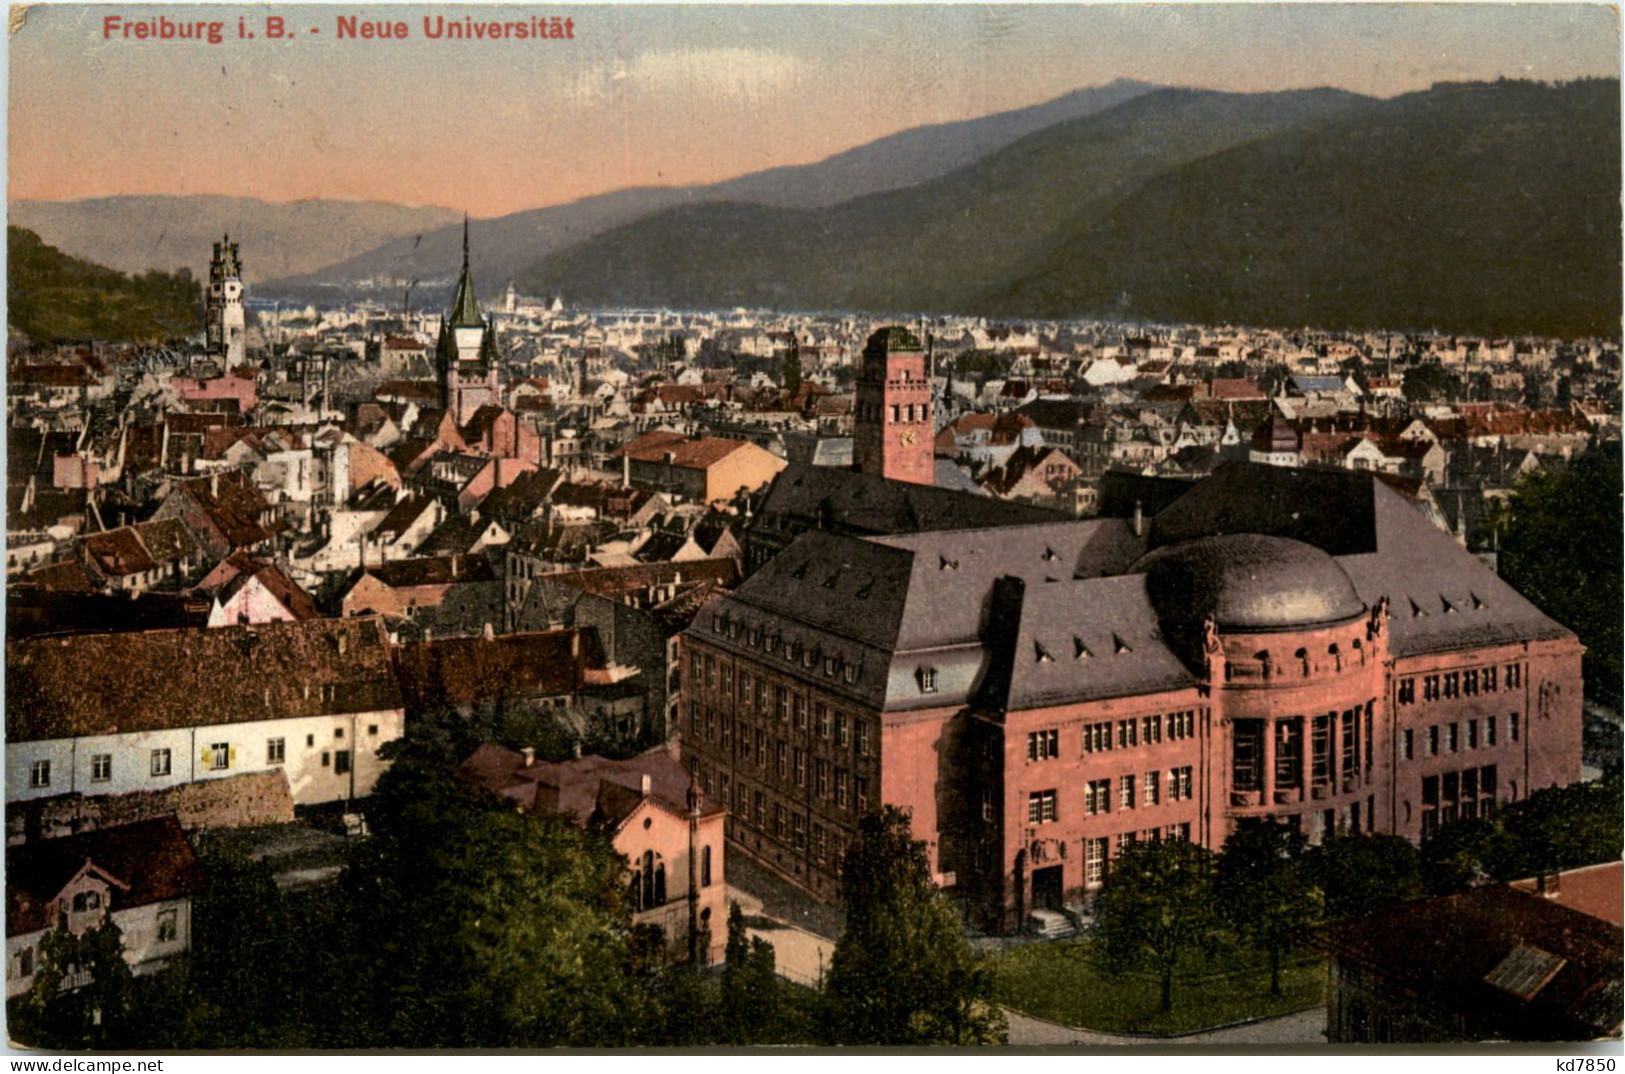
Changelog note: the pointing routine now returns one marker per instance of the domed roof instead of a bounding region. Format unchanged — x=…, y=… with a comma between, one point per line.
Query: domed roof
x=1248, y=581
x=892, y=339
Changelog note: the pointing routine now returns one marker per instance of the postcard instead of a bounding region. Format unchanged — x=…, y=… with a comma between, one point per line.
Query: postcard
x=830, y=526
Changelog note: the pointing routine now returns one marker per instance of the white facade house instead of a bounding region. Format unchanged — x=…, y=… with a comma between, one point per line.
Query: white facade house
x=114, y=713
x=142, y=876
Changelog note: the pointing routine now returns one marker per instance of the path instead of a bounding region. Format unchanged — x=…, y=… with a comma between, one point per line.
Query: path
x=1304, y=1027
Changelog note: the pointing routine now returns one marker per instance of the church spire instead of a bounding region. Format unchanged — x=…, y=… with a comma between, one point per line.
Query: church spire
x=465, y=308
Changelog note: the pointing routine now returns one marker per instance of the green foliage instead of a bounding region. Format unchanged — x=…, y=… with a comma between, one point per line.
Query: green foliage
x=1430, y=382
x=1553, y=829
x=902, y=973
x=484, y=927
x=1359, y=874
x=94, y=1014
x=750, y=985
x=50, y=295
x=1267, y=891
x=791, y=373
x=1561, y=546
x=1156, y=907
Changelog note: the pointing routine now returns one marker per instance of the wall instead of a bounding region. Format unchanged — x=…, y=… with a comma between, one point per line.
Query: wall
x=250, y=798
x=306, y=741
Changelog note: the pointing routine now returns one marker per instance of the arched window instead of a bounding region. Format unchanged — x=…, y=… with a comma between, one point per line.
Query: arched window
x=647, y=893
x=705, y=867
x=660, y=885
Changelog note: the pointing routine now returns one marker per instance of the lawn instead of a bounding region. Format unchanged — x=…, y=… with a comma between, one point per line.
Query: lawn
x=1063, y=982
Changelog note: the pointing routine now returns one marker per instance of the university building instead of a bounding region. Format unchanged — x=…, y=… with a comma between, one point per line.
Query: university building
x=1272, y=643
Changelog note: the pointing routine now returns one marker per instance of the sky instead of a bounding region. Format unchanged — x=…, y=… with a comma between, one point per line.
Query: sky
x=670, y=95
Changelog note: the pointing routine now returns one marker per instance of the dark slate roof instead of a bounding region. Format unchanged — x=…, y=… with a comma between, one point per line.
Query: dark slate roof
x=94, y=684
x=1330, y=509
x=859, y=504
x=1090, y=639
x=1249, y=581
x=460, y=671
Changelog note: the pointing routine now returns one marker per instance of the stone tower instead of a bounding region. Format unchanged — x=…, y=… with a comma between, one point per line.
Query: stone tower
x=893, y=433
x=223, y=319
x=465, y=355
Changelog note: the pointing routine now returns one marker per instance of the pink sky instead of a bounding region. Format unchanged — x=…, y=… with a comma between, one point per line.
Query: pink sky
x=672, y=95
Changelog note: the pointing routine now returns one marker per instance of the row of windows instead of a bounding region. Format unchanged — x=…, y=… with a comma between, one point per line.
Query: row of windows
x=216, y=757
x=1448, y=685
x=1145, y=730
x=1452, y=796
x=769, y=642
x=1448, y=738
x=847, y=731
x=1132, y=791
x=751, y=805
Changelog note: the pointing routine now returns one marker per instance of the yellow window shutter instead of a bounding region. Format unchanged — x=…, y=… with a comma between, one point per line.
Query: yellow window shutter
x=231, y=756
x=206, y=756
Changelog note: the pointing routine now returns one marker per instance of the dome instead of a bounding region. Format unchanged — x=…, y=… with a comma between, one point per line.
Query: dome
x=1248, y=582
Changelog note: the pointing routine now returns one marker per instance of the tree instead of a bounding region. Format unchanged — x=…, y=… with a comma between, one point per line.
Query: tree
x=1156, y=907
x=81, y=995
x=791, y=371
x=1266, y=891
x=902, y=973
x=750, y=983
x=1358, y=874
x=485, y=927
x=1429, y=382
x=1561, y=547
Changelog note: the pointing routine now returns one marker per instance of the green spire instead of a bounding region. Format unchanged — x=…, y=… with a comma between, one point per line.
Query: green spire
x=465, y=308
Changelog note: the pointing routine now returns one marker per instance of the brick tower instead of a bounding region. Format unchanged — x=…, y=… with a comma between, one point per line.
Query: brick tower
x=223, y=318
x=892, y=434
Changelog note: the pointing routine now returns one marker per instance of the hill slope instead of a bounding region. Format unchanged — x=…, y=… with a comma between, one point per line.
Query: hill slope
x=1476, y=208
x=50, y=295
x=138, y=233
x=942, y=245
x=505, y=246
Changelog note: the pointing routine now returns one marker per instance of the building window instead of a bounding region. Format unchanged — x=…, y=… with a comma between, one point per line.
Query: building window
x=1514, y=676
x=928, y=680
x=1126, y=840
x=1489, y=730
x=1512, y=727
x=25, y=962
x=1094, y=861
x=1125, y=792
x=860, y=793
x=1181, y=725
x=1430, y=688
x=798, y=712
x=1098, y=797
x=781, y=758
x=86, y=901
x=1469, y=683
x=1452, y=684
x=276, y=750
x=1453, y=738
x=798, y=831
x=1179, y=783
x=160, y=762
x=778, y=820
x=1407, y=743
x=1151, y=729
x=1043, y=745
x=1407, y=691
x=759, y=801
x=1127, y=734
x=39, y=774
x=1040, y=807
x=821, y=778
x=327, y=759
x=168, y=926
x=1472, y=734
x=1488, y=677
x=101, y=767
x=728, y=680
x=800, y=764
x=862, y=734
x=822, y=719
x=1153, y=788
x=219, y=756
x=1433, y=740
x=1097, y=737
x=840, y=788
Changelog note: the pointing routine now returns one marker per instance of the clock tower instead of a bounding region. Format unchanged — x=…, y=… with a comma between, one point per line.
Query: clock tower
x=892, y=432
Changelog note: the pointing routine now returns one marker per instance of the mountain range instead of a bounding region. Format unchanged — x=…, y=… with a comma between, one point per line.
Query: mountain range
x=1473, y=207
x=137, y=233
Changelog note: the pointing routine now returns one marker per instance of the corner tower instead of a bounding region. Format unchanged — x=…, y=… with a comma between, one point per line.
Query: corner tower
x=465, y=357
x=892, y=433
x=223, y=319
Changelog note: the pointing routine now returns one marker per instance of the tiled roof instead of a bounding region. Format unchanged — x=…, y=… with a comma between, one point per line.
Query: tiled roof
x=151, y=860
x=585, y=786
x=93, y=684
x=461, y=671
x=432, y=570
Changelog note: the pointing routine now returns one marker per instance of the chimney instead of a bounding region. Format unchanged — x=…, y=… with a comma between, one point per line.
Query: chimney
x=1139, y=520
x=626, y=470
x=214, y=485
x=529, y=754
x=647, y=785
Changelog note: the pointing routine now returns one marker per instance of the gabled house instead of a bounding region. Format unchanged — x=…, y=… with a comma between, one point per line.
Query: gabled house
x=142, y=877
